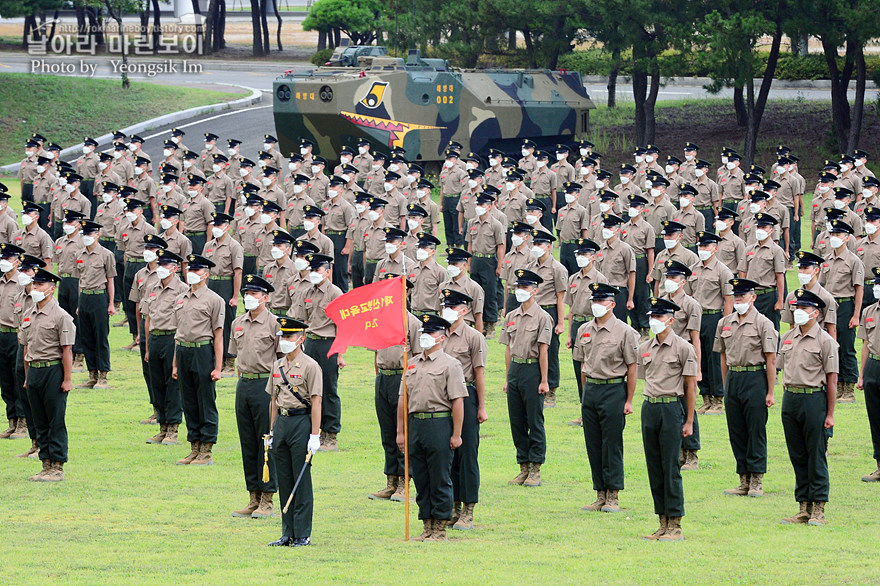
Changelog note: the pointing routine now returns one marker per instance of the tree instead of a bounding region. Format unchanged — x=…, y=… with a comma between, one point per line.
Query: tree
x=355, y=18
x=603, y=22
x=116, y=9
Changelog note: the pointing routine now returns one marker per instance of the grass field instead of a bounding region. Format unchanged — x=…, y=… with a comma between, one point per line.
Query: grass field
x=127, y=514
x=73, y=113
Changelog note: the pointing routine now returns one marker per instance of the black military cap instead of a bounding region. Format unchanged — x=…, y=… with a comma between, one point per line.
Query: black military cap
x=602, y=291
x=253, y=199
x=264, y=155
x=834, y=214
x=672, y=160
x=475, y=158
x=44, y=160
x=378, y=156
x=453, y=298
x=132, y=203
x=377, y=202
x=413, y=168
x=44, y=276
x=279, y=236
x=249, y=189
x=734, y=157
x=177, y=132
x=762, y=219
x=31, y=143
x=627, y=168
x=209, y=136
x=520, y=228
x=611, y=220
x=497, y=153
x=73, y=216
x=103, y=157
x=806, y=258
x=474, y=174
x=53, y=147
x=770, y=184
x=426, y=239
x=485, y=197
x=220, y=158
x=169, y=144
x=450, y=154
x=425, y=184
x=313, y=212
x=527, y=278
x=433, y=323
x=108, y=186
x=386, y=276
x=164, y=257
x=528, y=144
x=90, y=142
x=453, y=144
x=269, y=170
x=288, y=326
x=3, y=189
x=316, y=261
x=829, y=165
x=337, y=180
x=7, y=250
x=534, y=204
x=219, y=218
x=29, y=206
x=706, y=238
x=245, y=162
x=197, y=261
x=540, y=235
x=195, y=179
x=346, y=150
x=639, y=151
x=154, y=241
x=299, y=178
x=869, y=181
x=650, y=148
x=457, y=255
x=41, y=138
x=270, y=206
x=572, y=187
x=295, y=157
x=127, y=191
x=743, y=286
x=392, y=233
x=583, y=142
x=872, y=213
x=608, y=195
x=585, y=245
x=542, y=155
x=673, y=267
x=304, y=247
x=804, y=298
x=561, y=148
x=662, y=307
x=826, y=177
x=136, y=138
x=793, y=158
x=726, y=150
x=637, y=200
x=876, y=272
x=842, y=193
x=119, y=146
x=256, y=283
x=753, y=178
x=783, y=160
x=671, y=227
x=391, y=176
x=759, y=195
x=702, y=164
x=512, y=175
x=658, y=181
x=361, y=197
x=30, y=262
x=687, y=189
x=346, y=169
x=89, y=226
x=588, y=162
x=839, y=226
x=847, y=159
x=860, y=154
x=415, y=209
x=138, y=161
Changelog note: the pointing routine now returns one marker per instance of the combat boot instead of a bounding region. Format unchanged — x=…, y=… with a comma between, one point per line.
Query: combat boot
x=644, y=334
x=151, y=420
x=78, y=365
x=756, y=485
x=196, y=447
x=707, y=403
x=817, y=517
x=612, y=505
x=577, y=422
x=598, y=503
x=673, y=530
x=102, y=380
x=742, y=489
x=682, y=458
x=849, y=394
x=330, y=444
x=802, y=516
x=265, y=510
x=55, y=473
x=466, y=520
x=9, y=430
x=534, y=477
x=122, y=323
x=38, y=477
x=439, y=532
x=159, y=437
x=387, y=492
x=660, y=530
x=33, y=452
x=228, y=369
x=691, y=461
x=716, y=406
x=131, y=347
x=170, y=435
x=205, y=457
x=400, y=492
x=21, y=430
x=490, y=330
x=523, y=474
x=93, y=380
x=873, y=476
x=550, y=399
x=429, y=529
x=456, y=512
x=251, y=506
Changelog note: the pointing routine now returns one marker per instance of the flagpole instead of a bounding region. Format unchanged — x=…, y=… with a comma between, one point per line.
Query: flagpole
x=405, y=413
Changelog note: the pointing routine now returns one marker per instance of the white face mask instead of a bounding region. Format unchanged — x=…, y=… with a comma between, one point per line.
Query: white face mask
x=68, y=229
x=266, y=218
x=689, y=157
x=835, y=242
x=704, y=254
x=316, y=169
x=624, y=179
x=165, y=223
x=525, y=152
x=750, y=188
x=249, y=212
x=390, y=248
x=24, y=280
x=102, y=166
x=870, y=228
x=266, y=181
x=824, y=189
x=649, y=158
x=800, y=316
x=387, y=186
x=193, y=278
x=669, y=244
x=582, y=260
x=754, y=208
x=522, y=295
x=845, y=167
x=216, y=168
x=839, y=204
x=375, y=167
x=449, y=315
x=373, y=215
x=162, y=273
x=633, y=212
x=167, y=187
x=217, y=232
x=655, y=192
x=876, y=290
x=536, y=251
x=472, y=183
x=531, y=219
x=780, y=169
x=297, y=189
x=720, y=225
x=453, y=271
x=5, y=266
x=276, y=253
x=570, y=198
x=828, y=225
x=315, y=277
x=670, y=286
x=301, y=264
x=231, y=151
x=599, y=184
x=331, y=193
x=669, y=169
x=723, y=160
x=560, y=156
x=62, y=181
x=293, y=166
x=479, y=210
x=309, y=225
x=540, y=164
x=27, y=219
x=88, y=240
x=584, y=171
x=859, y=162
x=138, y=170
x=287, y=347
x=363, y=150
x=410, y=179
x=37, y=296
x=130, y=216
x=639, y=158
x=360, y=208
x=699, y=172
x=244, y=172
x=150, y=256
x=730, y=165
x=41, y=169
x=598, y=310
x=762, y=235
x=584, y=152
x=427, y=341
x=741, y=308
x=412, y=224
x=86, y=150
x=267, y=146
x=509, y=185
x=117, y=154
x=166, y=153
x=683, y=202
x=394, y=167
x=804, y=278
x=604, y=206
x=516, y=240
x=192, y=192
x=304, y=151
x=657, y=326
x=69, y=188
x=422, y=255
x=607, y=233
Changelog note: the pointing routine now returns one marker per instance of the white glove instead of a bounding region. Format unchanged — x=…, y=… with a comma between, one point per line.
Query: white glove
x=269, y=442
x=314, y=443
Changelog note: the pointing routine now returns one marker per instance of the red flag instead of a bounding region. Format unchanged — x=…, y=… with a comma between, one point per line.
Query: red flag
x=370, y=316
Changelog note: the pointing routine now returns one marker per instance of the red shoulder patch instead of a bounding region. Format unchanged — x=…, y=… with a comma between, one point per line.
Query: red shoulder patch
x=725, y=328
x=309, y=300
x=239, y=328
x=786, y=341
x=646, y=354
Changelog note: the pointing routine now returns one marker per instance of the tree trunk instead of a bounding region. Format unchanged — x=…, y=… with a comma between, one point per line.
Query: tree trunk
x=220, y=36
x=755, y=107
x=742, y=115
x=511, y=40
x=612, y=78
x=278, y=30
x=157, y=26
x=200, y=31
x=51, y=34
x=858, y=108
x=640, y=91
x=96, y=25
x=264, y=24
x=650, y=103
x=530, y=48
x=839, y=85
x=322, y=40
x=29, y=26
x=145, y=23
x=257, y=38
x=209, y=27
x=82, y=30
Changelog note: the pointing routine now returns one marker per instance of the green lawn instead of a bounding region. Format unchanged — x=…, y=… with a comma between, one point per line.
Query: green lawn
x=73, y=114
x=127, y=514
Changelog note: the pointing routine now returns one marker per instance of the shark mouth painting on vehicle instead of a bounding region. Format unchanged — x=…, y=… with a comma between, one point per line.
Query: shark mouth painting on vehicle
x=396, y=130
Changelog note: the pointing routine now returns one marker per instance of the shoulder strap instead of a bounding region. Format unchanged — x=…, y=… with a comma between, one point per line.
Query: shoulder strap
x=291, y=388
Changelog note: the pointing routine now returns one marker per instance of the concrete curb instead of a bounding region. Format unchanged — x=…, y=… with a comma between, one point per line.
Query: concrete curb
x=805, y=84
x=255, y=97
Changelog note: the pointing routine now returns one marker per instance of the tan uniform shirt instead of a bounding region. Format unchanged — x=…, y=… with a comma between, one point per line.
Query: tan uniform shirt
x=639, y=235
x=693, y=222
x=34, y=241
x=761, y=263
x=516, y=259
x=452, y=181
x=46, y=331
x=178, y=243
x=318, y=189
x=196, y=214
x=303, y=374
x=869, y=332
x=199, y=314
x=145, y=280
x=555, y=280
x=374, y=241
x=616, y=261
x=606, y=351
x=254, y=342
x=279, y=276
x=464, y=284
x=523, y=331
x=363, y=163
x=666, y=364
x=841, y=273
x=67, y=250
x=731, y=250
x=688, y=318
x=87, y=165
x=316, y=302
x=868, y=252
x=161, y=302
x=707, y=192
x=572, y=222
x=391, y=358
x=806, y=359
x=356, y=231
x=9, y=289
x=8, y=227
x=219, y=188
x=76, y=202
x=512, y=205
x=732, y=187
x=297, y=288
x=485, y=235
x=826, y=316
x=293, y=215
x=95, y=267
x=577, y=296
x=130, y=238
x=469, y=347
x=226, y=253
x=250, y=235
x=401, y=265
x=109, y=215
x=746, y=339
x=426, y=278
x=709, y=283
x=339, y=215
x=656, y=213
x=324, y=244
x=433, y=382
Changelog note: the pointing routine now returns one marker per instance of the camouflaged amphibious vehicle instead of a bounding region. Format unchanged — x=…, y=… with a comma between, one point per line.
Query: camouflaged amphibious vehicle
x=421, y=104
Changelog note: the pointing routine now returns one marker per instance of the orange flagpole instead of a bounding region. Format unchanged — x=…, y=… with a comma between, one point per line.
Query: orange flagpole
x=405, y=413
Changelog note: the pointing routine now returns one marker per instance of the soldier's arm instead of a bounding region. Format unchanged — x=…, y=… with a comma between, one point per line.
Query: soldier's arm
x=543, y=387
